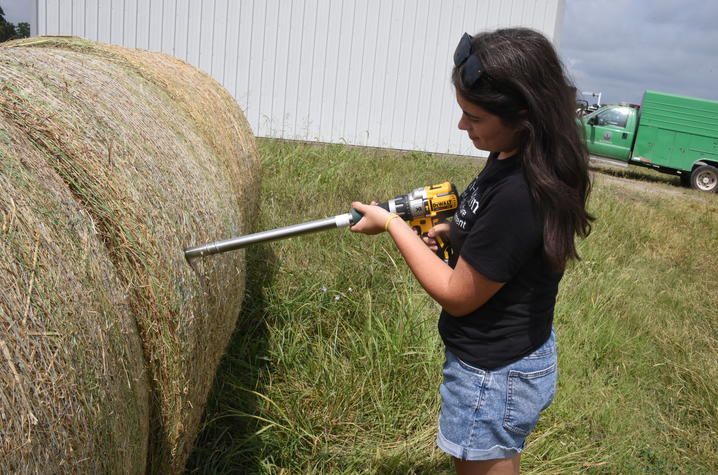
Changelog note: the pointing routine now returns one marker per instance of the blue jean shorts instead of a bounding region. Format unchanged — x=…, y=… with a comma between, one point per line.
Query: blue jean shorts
x=487, y=414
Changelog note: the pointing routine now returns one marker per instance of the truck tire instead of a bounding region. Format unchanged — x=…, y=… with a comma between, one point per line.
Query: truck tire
x=705, y=178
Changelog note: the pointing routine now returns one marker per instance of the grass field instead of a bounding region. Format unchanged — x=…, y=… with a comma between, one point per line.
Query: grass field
x=335, y=363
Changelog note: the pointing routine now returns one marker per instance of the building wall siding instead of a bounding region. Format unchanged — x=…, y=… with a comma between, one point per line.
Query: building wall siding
x=363, y=72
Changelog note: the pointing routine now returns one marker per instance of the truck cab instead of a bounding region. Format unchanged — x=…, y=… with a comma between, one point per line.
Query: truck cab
x=611, y=131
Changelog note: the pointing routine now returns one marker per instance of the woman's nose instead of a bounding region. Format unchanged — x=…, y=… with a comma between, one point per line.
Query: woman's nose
x=462, y=123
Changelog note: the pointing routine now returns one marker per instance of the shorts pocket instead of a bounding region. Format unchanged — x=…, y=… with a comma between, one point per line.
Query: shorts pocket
x=528, y=394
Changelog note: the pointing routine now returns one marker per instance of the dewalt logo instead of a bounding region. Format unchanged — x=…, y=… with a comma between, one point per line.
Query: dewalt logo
x=440, y=204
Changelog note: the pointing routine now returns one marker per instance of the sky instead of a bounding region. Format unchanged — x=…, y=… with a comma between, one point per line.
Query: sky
x=624, y=47
x=619, y=48
x=16, y=11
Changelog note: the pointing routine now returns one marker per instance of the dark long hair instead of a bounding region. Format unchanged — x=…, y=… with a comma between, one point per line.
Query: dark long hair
x=524, y=83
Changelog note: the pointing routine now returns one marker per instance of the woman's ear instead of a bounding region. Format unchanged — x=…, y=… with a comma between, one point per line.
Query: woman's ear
x=523, y=120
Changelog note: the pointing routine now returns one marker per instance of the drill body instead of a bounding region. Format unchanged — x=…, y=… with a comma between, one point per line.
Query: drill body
x=424, y=208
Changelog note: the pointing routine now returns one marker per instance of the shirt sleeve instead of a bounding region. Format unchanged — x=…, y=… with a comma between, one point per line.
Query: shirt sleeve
x=506, y=233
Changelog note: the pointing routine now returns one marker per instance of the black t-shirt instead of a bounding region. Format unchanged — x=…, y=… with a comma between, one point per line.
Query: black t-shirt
x=498, y=230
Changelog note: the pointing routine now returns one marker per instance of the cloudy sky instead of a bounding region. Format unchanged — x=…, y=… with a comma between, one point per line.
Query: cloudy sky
x=16, y=11
x=623, y=47
x=618, y=47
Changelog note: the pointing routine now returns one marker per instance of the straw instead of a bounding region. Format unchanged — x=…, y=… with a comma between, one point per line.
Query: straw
x=111, y=162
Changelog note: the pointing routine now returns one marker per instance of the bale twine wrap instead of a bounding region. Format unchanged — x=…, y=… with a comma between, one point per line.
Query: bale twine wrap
x=111, y=162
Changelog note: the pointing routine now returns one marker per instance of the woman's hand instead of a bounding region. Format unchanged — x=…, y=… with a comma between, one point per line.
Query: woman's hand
x=373, y=220
x=441, y=230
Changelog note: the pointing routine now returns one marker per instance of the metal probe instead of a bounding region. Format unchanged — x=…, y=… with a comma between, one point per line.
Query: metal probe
x=339, y=221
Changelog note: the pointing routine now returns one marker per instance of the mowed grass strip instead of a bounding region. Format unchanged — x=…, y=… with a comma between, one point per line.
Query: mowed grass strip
x=335, y=364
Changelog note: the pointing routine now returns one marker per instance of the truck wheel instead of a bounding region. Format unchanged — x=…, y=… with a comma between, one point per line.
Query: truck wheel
x=705, y=178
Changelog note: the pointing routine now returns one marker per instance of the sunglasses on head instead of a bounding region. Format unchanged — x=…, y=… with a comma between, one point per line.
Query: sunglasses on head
x=472, y=67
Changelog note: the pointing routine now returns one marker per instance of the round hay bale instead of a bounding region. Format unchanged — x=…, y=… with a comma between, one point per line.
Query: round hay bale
x=111, y=162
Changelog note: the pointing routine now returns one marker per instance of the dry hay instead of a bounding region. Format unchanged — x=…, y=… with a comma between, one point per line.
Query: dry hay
x=111, y=162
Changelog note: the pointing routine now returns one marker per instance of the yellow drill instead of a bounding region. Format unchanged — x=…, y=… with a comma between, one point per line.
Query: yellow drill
x=423, y=208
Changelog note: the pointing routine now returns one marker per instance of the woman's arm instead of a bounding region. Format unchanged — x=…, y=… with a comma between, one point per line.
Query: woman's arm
x=459, y=291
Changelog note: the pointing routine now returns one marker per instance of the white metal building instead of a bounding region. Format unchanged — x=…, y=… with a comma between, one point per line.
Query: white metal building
x=363, y=72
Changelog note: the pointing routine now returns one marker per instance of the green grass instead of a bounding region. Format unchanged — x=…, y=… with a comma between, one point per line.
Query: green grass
x=335, y=364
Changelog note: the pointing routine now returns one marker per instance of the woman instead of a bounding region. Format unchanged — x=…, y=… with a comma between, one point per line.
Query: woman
x=512, y=236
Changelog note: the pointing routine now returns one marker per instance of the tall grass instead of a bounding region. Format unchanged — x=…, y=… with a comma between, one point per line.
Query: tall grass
x=335, y=364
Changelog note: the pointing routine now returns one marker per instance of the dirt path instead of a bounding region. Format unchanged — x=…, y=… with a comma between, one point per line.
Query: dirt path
x=602, y=172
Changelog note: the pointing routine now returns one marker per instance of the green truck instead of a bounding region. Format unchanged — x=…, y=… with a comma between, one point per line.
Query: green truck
x=672, y=134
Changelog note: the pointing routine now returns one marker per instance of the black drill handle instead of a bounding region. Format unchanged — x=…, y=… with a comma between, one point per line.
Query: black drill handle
x=445, y=251
x=356, y=215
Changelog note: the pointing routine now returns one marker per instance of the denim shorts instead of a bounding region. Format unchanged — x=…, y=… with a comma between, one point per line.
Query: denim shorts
x=487, y=414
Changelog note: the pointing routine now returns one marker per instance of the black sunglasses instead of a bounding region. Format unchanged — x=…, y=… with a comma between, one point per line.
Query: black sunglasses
x=472, y=67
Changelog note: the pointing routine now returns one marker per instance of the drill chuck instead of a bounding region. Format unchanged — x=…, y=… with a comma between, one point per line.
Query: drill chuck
x=408, y=207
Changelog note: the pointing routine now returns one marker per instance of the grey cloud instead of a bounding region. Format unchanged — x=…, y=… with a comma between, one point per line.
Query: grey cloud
x=624, y=47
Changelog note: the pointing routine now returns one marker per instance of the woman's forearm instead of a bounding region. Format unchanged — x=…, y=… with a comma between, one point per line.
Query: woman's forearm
x=459, y=291
x=430, y=270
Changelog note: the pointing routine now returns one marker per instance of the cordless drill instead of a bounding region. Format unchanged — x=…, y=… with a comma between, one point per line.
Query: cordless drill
x=423, y=208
